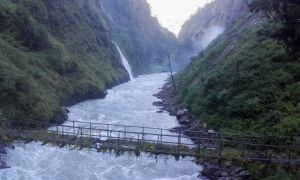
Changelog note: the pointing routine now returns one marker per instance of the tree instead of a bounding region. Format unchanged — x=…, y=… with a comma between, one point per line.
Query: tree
x=285, y=12
x=171, y=71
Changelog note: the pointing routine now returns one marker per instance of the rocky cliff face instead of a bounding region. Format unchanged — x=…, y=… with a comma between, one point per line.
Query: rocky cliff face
x=207, y=24
x=140, y=35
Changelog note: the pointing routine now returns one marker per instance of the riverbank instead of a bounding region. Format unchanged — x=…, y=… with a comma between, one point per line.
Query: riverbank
x=188, y=125
x=62, y=115
x=129, y=104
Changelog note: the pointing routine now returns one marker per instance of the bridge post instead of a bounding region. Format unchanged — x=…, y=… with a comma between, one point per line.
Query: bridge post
x=62, y=133
x=179, y=142
x=161, y=132
x=143, y=133
x=74, y=128
x=118, y=140
x=157, y=142
x=100, y=135
x=143, y=137
x=243, y=144
x=198, y=140
x=138, y=142
x=90, y=130
x=220, y=147
x=125, y=132
x=57, y=129
x=289, y=156
x=107, y=128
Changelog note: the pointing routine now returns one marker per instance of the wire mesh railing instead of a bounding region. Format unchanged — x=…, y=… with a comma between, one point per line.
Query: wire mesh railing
x=220, y=146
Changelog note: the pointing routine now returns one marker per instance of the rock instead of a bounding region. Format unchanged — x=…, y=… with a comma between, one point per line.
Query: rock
x=3, y=155
x=61, y=116
x=180, y=113
x=244, y=175
x=11, y=146
x=158, y=103
x=66, y=110
x=160, y=111
x=238, y=170
x=236, y=178
x=4, y=167
x=184, y=121
x=2, y=147
x=210, y=172
x=224, y=174
x=211, y=131
x=225, y=178
x=221, y=174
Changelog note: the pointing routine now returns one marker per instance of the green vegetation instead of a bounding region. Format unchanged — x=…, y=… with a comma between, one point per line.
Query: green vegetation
x=245, y=81
x=267, y=172
x=287, y=12
x=248, y=80
x=53, y=53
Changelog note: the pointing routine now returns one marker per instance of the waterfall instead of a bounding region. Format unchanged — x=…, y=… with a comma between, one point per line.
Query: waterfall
x=124, y=61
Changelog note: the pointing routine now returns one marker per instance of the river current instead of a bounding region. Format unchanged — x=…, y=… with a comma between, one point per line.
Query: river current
x=129, y=104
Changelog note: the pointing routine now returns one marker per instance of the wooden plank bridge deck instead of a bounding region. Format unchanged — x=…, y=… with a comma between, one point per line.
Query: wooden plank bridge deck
x=122, y=138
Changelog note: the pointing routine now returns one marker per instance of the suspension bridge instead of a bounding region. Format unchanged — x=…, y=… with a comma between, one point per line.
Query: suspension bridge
x=157, y=141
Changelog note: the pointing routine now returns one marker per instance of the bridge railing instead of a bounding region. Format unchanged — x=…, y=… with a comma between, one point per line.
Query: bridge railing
x=215, y=145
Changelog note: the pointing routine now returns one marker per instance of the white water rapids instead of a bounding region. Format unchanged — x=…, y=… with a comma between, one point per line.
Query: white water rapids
x=129, y=104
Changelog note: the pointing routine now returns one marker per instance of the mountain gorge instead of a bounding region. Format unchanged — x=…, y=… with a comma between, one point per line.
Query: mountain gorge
x=57, y=53
x=141, y=36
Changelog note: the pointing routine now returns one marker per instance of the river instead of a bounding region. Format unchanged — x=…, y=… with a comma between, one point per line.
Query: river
x=130, y=104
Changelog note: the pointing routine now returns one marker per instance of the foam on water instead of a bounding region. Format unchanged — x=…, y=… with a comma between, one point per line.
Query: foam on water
x=129, y=104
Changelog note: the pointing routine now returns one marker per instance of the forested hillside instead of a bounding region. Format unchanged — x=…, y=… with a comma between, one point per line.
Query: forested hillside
x=53, y=53
x=247, y=80
x=139, y=34
x=57, y=53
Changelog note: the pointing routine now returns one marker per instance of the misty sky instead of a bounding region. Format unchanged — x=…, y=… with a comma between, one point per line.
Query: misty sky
x=173, y=13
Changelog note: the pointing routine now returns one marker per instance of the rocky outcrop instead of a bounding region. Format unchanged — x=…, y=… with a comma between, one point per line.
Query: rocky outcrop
x=170, y=104
x=217, y=172
x=3, y=153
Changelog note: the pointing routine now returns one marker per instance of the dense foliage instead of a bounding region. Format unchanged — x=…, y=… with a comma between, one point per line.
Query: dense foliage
x=287, y=14
x=53, y=53
x=245, y=82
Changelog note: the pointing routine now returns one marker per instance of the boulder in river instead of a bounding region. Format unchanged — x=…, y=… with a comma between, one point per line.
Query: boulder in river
x=3, y=155
x=180, y=113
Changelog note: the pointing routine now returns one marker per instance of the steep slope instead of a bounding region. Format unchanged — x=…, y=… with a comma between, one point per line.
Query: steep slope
x=139, y=34
x=244, y=82
x=207, y=24
x=53, y=53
